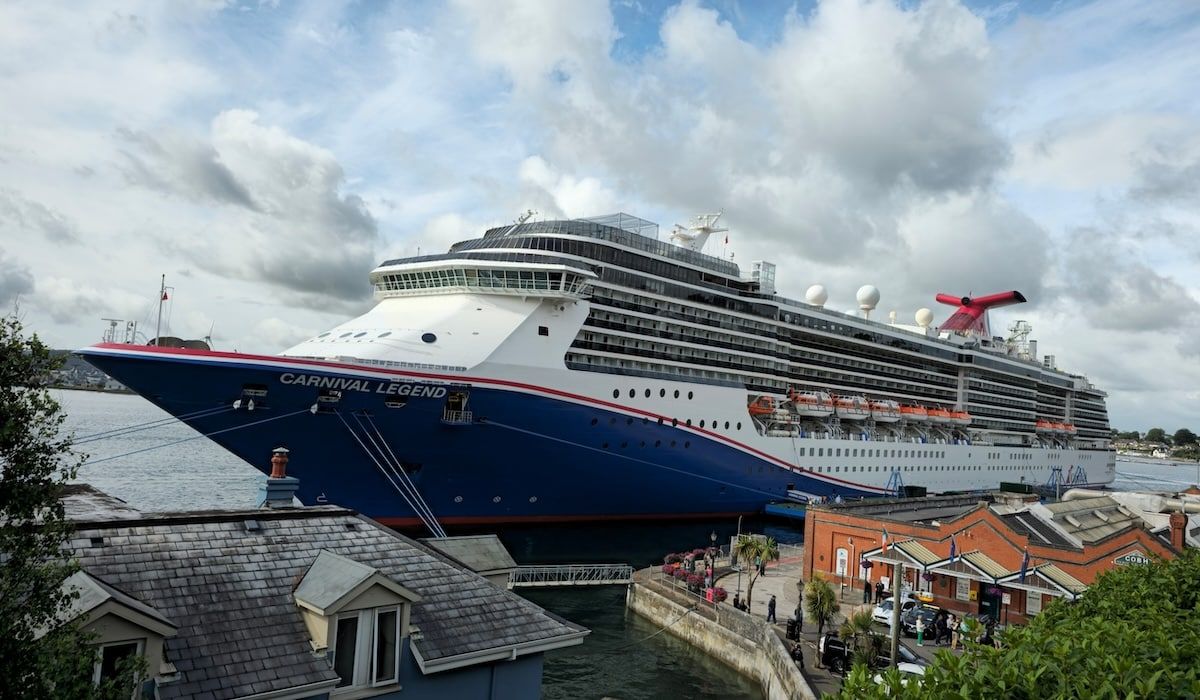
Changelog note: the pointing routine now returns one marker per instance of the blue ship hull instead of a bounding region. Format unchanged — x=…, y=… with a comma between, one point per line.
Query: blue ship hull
x=523, y=456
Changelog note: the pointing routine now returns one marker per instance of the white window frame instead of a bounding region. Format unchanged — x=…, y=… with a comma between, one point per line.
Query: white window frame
x=365, y=640
x=1033, y=603
x=139, y=651
x=375, y=646
x=962, y=588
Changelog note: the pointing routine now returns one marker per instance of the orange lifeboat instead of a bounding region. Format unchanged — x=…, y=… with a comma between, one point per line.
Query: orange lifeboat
x=1044, y=426
x=1058, y=427
x=885, y=411
x=917, y=413
x=811, y=403
x=761, y=406
x=851, y=407
x=960, y=417
x=1070, y=428
x=940, y=415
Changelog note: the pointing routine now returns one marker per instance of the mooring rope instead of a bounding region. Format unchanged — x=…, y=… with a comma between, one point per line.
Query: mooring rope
x=156, y=423
x=194, y=437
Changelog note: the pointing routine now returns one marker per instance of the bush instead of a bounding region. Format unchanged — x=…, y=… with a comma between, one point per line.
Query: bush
x=680, y=574
x=672, y=559
x=720, y=594
x=668, y=569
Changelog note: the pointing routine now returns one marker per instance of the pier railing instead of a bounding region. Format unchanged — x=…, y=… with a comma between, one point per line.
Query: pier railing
x=571, y=575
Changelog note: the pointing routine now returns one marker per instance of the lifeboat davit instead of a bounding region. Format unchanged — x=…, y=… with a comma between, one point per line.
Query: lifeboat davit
x=811, y=403
x=885, y=411
x=917, y=413
x=960, y=417
x=940, y=415
x=851, y=407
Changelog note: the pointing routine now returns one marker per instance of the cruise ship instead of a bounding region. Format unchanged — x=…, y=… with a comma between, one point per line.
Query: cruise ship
x=588, y=369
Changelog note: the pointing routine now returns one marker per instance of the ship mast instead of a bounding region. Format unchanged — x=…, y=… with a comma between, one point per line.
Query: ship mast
x=162, y=296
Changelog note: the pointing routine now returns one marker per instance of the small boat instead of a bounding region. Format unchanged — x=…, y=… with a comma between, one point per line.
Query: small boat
x=960, y=417
x=1070, y=428
x=1044, y=426
x=761, y=406
x=915, y=413
x=940, y=415
x=885, y=411
x=811, y=403
x=852, y=407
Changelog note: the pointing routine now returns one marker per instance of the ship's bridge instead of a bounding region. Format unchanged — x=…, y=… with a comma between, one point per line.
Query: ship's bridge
x=510, y=274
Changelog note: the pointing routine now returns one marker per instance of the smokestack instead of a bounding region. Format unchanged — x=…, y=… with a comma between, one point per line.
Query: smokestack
x=1178, y=523
x=279, y=491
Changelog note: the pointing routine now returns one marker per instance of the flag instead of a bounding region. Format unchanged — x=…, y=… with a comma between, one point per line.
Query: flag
x=164, y=296
x=953, y=550
x=1024, y=565
x=885, y=539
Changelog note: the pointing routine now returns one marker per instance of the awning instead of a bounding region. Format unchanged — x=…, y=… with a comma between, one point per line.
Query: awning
x=1048, y=579
x=974, y=565
x=910, y=553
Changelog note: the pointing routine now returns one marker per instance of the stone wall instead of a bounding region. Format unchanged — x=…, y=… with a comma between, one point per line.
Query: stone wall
x=754, y=650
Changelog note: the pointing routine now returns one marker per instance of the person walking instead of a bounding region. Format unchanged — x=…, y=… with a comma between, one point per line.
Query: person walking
x=920, y=630
x=771, y=610
x=952, y=623
x=866, y=591
x=878, y=592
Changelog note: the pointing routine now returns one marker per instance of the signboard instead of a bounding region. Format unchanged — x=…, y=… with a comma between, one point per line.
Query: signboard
x=1134, y=557
x=1006, y=599
x=973, y=595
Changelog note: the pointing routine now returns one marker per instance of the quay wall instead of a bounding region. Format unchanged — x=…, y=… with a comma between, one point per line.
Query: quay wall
x=747, y=645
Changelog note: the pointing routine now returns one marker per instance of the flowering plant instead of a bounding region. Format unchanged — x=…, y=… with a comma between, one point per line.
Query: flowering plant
x=927, y=576
x=680, y=574
x=672, y=559
x=669, y=569
x=867, y=563
x=993, y=590
x=694, y=580
x=720, y=594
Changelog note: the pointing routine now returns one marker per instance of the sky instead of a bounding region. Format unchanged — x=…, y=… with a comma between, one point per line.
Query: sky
x=265, y=155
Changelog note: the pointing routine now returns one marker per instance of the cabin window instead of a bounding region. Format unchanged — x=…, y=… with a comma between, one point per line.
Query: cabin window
x=543, y=330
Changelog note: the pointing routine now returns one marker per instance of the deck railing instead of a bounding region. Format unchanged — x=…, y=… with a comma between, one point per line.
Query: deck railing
x=571, y=575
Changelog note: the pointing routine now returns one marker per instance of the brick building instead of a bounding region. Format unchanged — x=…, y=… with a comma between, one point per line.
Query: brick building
x=1063, y=547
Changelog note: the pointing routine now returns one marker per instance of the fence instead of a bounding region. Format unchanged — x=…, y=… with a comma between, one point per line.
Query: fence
x=571, y=575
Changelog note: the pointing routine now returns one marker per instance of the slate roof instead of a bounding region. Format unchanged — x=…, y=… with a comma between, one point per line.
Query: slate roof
x=1037, y=530
x=93, y=593
x=228, y=590
x=483, y=554
x=1091, y=519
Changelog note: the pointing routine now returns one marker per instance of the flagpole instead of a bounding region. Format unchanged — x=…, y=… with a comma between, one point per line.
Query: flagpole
x=162, y=289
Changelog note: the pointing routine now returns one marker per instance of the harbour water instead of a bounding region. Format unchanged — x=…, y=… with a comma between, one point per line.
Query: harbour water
x=624, y=657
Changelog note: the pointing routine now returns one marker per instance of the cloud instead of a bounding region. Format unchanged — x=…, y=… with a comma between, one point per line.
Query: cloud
x=15, y=280
x=291, y=225
x=19, y=215
x=555, y=194
x=72, y=301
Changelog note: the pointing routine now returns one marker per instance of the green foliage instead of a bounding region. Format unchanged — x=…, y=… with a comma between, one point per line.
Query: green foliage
x=820, y=601
x=1130, y=435
x=1157, y=435
x=751, y=549
x=1182, y=437
x=35, y=463
x=1134, y=634
x=859, y=631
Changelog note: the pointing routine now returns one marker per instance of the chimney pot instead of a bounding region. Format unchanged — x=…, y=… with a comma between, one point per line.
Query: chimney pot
x=279, y=460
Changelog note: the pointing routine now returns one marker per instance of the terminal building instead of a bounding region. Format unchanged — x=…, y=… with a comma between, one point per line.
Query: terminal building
x=1000, y=554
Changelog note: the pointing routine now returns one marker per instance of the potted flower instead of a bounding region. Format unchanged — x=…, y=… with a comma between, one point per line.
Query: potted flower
x=720, y=594
x=927, y=576
x=694, y=581
x=680, y=574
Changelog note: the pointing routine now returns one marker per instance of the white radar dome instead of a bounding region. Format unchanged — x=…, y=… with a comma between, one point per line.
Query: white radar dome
x=924, y=318
x=868, y=297
x=816, y=295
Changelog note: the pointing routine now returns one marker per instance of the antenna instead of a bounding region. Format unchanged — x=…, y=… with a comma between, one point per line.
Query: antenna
x=110, y=335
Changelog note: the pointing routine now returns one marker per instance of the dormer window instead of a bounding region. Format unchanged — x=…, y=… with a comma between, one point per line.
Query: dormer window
x=357, y=616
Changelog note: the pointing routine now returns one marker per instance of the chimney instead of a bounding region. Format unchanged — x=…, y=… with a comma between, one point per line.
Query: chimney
x=280, y=489
x=1178, y=523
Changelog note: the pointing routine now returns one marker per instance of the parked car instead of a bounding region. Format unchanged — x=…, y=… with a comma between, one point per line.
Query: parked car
x=837, y=655
x=908, y=621
x=909, y=673
x=883, y=612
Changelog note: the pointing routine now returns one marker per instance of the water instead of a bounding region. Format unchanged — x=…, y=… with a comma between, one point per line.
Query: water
x=625, y=656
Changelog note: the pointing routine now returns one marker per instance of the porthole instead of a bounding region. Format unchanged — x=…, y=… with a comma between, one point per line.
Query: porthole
x=632, y=393
x=345, y=335
x=701, y=424
x=533, y=499
x=624, y=445
x=323, y=334
x=628, y=421
x=359, y=335
x=647, y=393
x=739, y=426
x=687, y=443
x=594, y=421
x=385, y=334
x=642, y=444
x=458, y=499
x=727, y=425
x=428, y=337
x=616, y=393
x=495, y=499
x=674, y=422
x=689, y=422
x=658, y=443
x=604, y=446
x=689, y=396
x=672, y=443
x=662, y=393
x=676, y=393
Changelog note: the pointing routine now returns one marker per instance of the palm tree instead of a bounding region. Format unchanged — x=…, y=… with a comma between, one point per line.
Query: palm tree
x=820, y=601
x=751, y=550
x=859, y=630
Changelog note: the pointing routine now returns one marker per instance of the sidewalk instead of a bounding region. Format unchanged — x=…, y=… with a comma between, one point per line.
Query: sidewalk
x=780, y=581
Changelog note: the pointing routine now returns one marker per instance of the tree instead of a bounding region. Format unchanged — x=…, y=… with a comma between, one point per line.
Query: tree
x=1132, y=634
x=859, y=631
x=41, y=655
x=1156, y=435
x=820, y=601
x=752, y=550
x=1182, y=437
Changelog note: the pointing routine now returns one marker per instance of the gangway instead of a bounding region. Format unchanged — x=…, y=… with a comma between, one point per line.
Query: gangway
x=570, y=575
